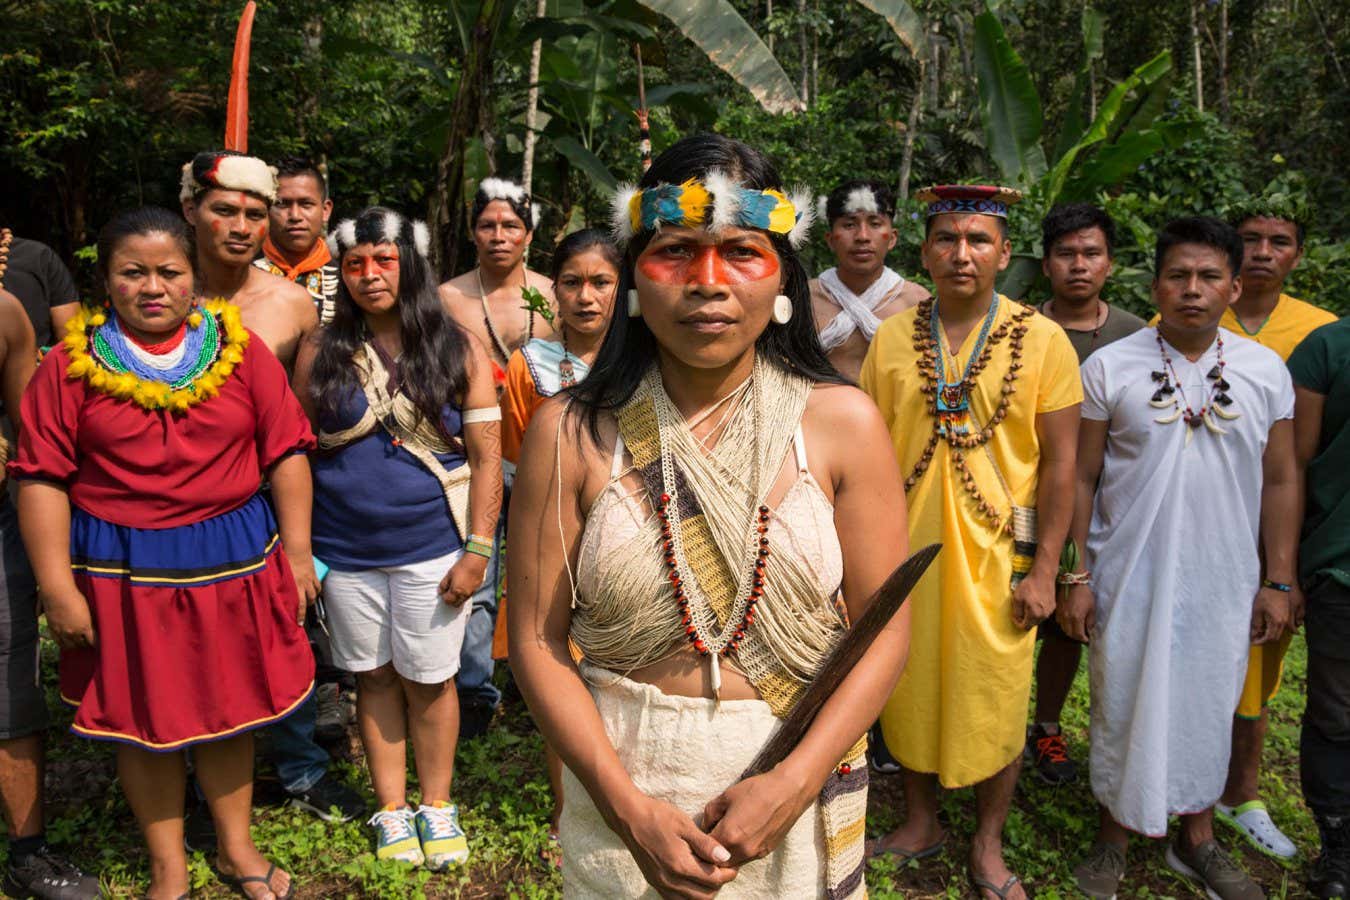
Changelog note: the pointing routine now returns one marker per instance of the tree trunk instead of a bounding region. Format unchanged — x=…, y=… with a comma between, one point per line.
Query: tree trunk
x=445, y=215
x=911, y=128
x=1223, y=59
x=532, y=103
x=1195, y=54
x=803, y=52
x=815, y=54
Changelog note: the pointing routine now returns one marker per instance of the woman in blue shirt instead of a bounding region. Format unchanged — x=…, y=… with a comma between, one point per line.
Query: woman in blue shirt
x=406, y=479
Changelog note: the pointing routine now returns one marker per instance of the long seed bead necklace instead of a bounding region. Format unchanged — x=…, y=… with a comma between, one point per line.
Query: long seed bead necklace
x=1172, y=393
x=497, y=343
x=1014, y=329
x=952, y=404
x=696, y=613
x=6, y=238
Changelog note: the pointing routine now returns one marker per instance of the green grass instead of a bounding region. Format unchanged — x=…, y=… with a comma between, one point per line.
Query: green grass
x=503, y=794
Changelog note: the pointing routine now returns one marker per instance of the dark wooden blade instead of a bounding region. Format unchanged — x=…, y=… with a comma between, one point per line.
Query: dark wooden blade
x=886, y=602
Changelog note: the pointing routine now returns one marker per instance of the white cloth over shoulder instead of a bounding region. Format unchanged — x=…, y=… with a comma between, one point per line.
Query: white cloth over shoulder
x=1173, y=553
x=856, y=313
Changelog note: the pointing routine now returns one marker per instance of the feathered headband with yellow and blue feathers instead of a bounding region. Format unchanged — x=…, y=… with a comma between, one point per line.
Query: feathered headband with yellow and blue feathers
x=715, y=201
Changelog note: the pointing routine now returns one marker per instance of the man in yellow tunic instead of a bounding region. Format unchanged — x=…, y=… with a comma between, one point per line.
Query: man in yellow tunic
x=981, y=396
x=1272, y=241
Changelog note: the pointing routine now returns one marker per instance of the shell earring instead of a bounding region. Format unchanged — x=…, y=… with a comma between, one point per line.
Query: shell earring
x=782, y=309
x=634, y=310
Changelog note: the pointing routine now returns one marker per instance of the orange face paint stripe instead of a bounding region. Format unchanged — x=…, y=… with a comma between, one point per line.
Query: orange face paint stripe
x=708, y=265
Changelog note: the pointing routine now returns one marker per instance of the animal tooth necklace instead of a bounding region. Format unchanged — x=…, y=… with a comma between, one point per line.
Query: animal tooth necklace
x=1171, y=393
x=709, y=638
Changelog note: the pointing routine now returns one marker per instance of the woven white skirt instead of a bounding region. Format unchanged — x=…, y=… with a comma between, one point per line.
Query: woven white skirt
x=685, y=751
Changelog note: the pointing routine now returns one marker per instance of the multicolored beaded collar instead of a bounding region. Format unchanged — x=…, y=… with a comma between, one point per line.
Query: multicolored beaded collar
x=715, y=201
x=102, y=355
x=982, y=199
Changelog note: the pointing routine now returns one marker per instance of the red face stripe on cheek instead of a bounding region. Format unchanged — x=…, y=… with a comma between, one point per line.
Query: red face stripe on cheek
x=710, y=264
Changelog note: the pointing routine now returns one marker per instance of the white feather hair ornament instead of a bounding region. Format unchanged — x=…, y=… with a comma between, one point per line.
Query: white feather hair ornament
x=620, y=219
x=861, y=200
x=342, y=238
x=421, y=237
x=391, y=229
x=726, y=200
x=822, y=206
x=800, y=197
x=502, y=189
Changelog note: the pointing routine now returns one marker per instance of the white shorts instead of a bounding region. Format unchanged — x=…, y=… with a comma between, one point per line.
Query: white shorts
x=395, y=614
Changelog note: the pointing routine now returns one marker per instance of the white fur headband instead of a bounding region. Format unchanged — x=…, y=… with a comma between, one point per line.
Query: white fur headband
x=230, y=172
x=387, y=227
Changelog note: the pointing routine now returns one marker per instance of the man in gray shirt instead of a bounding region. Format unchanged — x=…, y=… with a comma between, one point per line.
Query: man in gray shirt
x=1077, y=248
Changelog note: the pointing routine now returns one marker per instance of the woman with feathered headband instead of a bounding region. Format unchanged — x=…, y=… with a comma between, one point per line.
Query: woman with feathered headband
x=678, y=518
x=407, y=484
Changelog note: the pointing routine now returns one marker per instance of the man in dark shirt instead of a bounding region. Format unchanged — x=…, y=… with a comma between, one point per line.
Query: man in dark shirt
x=1320, y=366
x=1077, y=246
x=36, y=275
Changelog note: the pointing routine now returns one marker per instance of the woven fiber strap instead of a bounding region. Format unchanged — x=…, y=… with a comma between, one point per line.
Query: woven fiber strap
x=397, y=415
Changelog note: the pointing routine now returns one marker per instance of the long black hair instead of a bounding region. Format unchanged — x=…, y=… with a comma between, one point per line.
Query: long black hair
x=139, y=223
x=435, y=348
x=629, y=348
x=578, y=242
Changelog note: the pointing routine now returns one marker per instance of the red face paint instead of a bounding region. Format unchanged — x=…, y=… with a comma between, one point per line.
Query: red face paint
x=729, y=263
x=370, y=266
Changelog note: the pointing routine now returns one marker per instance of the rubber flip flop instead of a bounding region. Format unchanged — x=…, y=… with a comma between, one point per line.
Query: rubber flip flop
x=904, y=857
x=981, y=884
x=237, y=882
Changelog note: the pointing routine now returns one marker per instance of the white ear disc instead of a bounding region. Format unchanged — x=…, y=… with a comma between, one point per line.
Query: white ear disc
x=782, y=309
x=634, y=309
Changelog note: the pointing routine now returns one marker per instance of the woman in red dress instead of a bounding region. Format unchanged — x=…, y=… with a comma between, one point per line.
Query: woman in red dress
x=146, y=437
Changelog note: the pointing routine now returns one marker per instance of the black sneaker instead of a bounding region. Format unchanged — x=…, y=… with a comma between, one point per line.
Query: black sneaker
x=878, y=754
x=46, y=876
x=1330, y=872
x=1049, y=754
x=330, y=800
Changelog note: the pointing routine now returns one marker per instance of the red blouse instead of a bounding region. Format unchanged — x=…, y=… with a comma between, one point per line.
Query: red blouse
x=151, y=468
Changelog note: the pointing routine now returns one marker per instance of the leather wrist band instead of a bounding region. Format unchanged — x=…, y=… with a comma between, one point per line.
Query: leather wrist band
x=1276, y=585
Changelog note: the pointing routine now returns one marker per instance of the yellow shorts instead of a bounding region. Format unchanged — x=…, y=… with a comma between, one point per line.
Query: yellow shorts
x=1265, y=665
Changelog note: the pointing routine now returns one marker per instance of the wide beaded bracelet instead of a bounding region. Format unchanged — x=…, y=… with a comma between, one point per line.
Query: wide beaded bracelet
x=1070, y=578
x=478, y=547
x=1277, y=586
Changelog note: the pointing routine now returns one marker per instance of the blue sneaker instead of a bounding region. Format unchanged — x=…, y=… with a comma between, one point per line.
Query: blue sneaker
x=395, y=837
x=444, y=843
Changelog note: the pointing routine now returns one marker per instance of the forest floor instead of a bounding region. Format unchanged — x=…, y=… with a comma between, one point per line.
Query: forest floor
x=504, y=800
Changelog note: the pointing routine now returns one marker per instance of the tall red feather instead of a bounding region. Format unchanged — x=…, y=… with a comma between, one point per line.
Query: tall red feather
x=236, y=109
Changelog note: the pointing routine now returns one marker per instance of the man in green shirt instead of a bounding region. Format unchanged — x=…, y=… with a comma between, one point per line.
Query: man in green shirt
x=1321, y=369
x=1077, y=247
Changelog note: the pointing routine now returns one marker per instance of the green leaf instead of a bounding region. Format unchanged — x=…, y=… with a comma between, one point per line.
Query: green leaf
x=907, y=24
x=1009, y=107
x=1114, y=163
x=1092, y=36
x=1129, y=108
x=1021, y=274
x=587, y=162
x=719, y=31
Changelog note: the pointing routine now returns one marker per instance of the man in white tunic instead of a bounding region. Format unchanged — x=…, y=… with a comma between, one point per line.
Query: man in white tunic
x=1185, y=468
x=851, y=299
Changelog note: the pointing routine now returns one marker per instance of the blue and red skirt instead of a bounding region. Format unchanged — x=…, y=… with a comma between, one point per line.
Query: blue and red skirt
x=195, y=627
